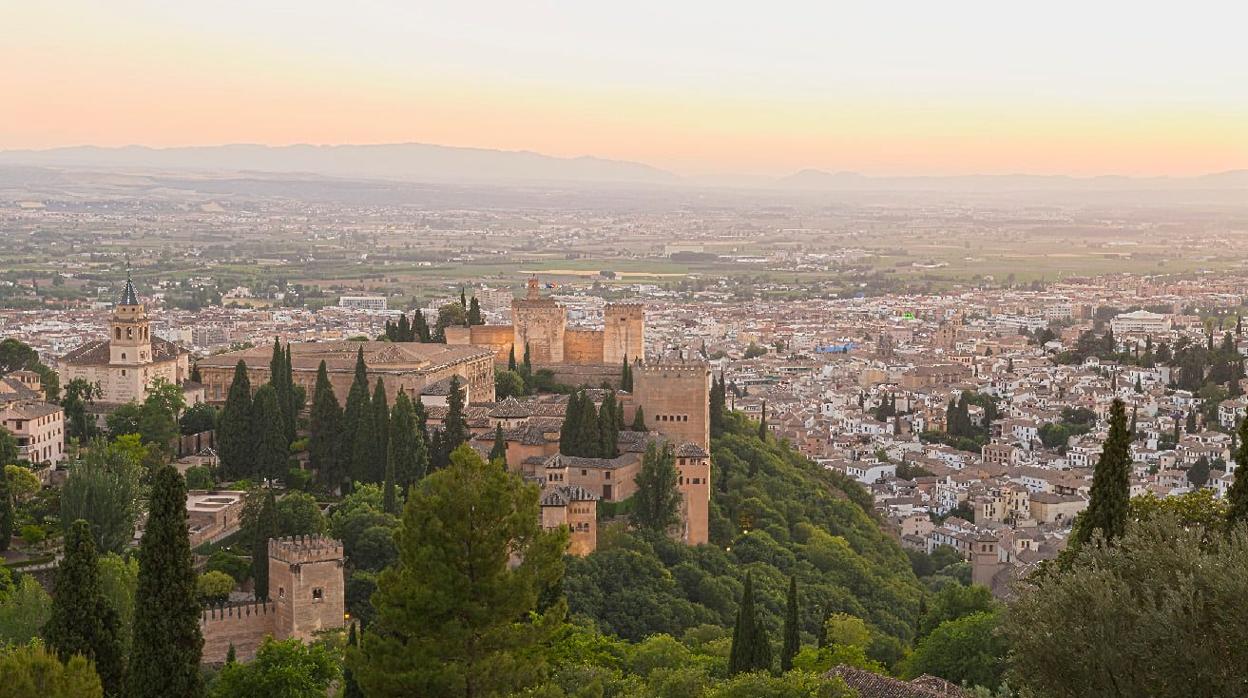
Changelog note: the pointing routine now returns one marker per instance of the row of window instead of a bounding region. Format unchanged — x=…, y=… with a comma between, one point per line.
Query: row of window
x=671, y=417
x=691, y=481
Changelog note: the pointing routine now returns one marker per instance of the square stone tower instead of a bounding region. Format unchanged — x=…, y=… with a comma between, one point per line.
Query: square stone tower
x=306, y=585
x=623, y=332
x=539, y=323
x=694, y=464
x=675, y=398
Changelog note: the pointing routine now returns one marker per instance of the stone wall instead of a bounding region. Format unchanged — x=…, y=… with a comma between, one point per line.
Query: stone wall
x=695, y=489
x=540, y=325
x=582, y=346
x=497, y=337
x=306, y=583
x=242, y=625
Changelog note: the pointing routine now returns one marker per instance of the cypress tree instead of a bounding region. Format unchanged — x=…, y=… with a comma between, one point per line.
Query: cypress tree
x=380, y=448
x=1111, y=486
x=293, y=393
x=511, y=358
x=231, y=656
x=422, y=418
x=421, y=326
x=751, y=649
x=717, y=399
x=639, y=419
x=608, y=427
x=164, y=659
x=456, y=426
x=438, y=455
x=528, y=361
x=7, y=515
x=588, y=440
x=762, y=423
x=1190, y=424
x=626, y=378
x=656, y=503
x=1237, y=496
x=235, y=443
x=354, y=416
x=499, y=451
x=389, y=503
x=281, y=379
x=403, y=333
x=569, y=430
x=463, y=299
x=325, y=431
x=792, y=640
x=272, y=456
x=474, y=312
x=261, y=529
x=82, y=621
x=406, y=451
x=350, y=687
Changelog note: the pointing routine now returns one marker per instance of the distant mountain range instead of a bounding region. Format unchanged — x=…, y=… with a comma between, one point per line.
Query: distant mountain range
x=437, y=163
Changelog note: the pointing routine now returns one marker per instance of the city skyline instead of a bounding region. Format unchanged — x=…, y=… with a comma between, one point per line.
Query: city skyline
x=696, y=90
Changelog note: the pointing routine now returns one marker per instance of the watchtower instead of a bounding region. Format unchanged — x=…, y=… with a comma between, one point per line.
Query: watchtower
x=623, y=332
x=306, y=585
x=130, y=340
x=675, y=398
x=539, y=323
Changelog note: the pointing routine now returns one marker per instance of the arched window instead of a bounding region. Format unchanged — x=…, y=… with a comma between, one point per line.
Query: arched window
x=117, y=331
x=129, y=333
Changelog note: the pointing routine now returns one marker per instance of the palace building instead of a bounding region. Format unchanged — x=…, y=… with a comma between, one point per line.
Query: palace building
x=411, y=367
x=129, y=360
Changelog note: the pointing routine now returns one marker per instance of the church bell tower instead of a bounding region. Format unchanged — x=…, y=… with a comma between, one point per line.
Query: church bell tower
x=130, y=339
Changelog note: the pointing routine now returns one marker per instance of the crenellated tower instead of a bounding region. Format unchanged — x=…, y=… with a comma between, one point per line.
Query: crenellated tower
x=623, y=332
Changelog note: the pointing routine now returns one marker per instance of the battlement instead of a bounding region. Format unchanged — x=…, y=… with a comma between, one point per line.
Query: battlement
x=625, y=308
x=237, y=611
x=696, y=368
x=299, y=550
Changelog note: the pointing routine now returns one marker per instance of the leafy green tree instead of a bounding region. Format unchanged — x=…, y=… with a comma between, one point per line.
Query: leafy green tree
x=967, y=651
x=1093, y=628
x=80, y=394
x=236, y=445
x=656, y=503
x=351, y=687
x=792, y=637
x=325, y=431
x=198, y=418
x=24, y=610
x=474, y=312
x=1198, y=474
x=167, y=645
x=17, y=356
x=119, y=579
x=1111, y=483
x=285, y=668
x=214, y=587
x=751, y=648
x=259, y=524
x=8, y=448
x=82, y=622
x=298, y=514
x=103, y=489
x=955, y=601
x=508, y=384
x=32, y=671
x=454, y=616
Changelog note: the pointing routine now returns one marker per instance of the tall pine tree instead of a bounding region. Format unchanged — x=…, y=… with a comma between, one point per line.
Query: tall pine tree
x=407, y=450
x=656, y=503
x=381, y=431
x=356, y=414
x=751, y=648
x=325, y=431
x=82, y=621
x=498, y=453
x=282, y=382
x=455, y=429
x=608, y=427
x=260, y=527
x=272, y=456
x=1237, y=496
x=235, y=442
x=1111, y=483
x=792, y=626
x=570, y=428
x=167, y=645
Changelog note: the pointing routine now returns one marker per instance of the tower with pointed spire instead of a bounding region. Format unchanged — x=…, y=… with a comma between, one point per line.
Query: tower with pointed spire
x=130, y=330
x=126, y=363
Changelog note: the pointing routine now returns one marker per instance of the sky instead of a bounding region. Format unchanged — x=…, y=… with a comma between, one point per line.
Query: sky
x=695, y=87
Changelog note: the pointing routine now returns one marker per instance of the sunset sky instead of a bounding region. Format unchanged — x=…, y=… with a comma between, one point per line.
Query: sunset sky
x=695, y=87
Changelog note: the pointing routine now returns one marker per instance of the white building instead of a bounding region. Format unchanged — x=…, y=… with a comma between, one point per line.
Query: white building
x=363, y=302
x=1140, y=321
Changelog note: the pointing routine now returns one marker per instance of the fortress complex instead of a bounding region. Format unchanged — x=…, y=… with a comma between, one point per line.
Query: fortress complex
x=308, y=595
x=577, y=356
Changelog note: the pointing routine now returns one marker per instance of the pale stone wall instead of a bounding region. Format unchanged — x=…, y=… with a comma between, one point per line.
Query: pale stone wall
x=540, y=325
x=497, y=337
x=582, y=346
x=121, y=384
